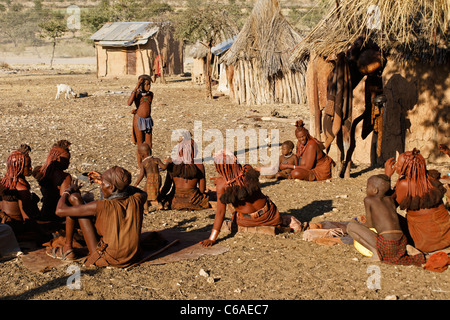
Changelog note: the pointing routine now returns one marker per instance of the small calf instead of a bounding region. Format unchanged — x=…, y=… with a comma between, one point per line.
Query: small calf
x=67, y=90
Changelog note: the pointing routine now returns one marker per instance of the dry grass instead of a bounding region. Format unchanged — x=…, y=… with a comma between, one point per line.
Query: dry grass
x=409, y=29
x=266, y=37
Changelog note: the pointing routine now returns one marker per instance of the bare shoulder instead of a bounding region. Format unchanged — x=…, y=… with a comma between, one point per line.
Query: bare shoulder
x=220, y=184
x=22, y=187
x=371, y=200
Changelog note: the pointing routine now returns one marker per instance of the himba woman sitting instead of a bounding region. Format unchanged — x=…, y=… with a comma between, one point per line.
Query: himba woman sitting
x=313, y=164
x=420, y=194
x=239, y=186
x=53, y=179
x=18, y=206
x=186, y=179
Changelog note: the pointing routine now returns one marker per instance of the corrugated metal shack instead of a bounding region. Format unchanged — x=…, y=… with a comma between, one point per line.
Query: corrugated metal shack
x=129, y=48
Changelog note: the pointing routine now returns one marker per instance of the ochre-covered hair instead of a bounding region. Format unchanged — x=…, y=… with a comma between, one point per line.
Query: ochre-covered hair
x=424, y=191
x=242, y=182
x=15, y=166
x=60, y=148
x=184, y=166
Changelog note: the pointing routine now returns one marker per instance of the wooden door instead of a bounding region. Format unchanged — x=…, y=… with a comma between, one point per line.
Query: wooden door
x=131, y=60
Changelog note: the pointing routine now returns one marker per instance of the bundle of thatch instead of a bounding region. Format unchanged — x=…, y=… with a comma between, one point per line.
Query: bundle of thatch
x=198, y=51
x=407, y=29
x=260, y=55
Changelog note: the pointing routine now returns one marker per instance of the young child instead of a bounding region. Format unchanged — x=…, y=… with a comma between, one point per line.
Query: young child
x=142, y=98
x=388, y=244
x=287, y=157
x=150, y=168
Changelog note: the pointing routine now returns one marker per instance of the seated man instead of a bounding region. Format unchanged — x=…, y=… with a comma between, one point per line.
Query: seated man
x=114, y=238
x=388, y=244
x=186, y=179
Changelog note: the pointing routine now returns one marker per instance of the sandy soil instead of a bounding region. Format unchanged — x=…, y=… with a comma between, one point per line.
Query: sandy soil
x=257, y=266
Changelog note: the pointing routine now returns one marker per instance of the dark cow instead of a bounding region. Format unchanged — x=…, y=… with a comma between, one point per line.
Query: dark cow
x=330, y=85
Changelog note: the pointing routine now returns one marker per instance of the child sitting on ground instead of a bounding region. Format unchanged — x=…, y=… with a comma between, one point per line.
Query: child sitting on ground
x=287, y=157
x=150, y=168
x=388, y=244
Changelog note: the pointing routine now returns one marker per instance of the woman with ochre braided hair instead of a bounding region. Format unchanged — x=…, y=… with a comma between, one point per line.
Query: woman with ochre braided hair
x=53, y=179
x=239, y=186
x=185, y=184
x=420, y=194
x=18, y=206
x=313, y=164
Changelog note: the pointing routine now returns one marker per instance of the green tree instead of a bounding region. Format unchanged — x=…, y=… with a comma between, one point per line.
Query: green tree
x=93, y=19
x=53, y=29
x=210, y=23
x=123, y=11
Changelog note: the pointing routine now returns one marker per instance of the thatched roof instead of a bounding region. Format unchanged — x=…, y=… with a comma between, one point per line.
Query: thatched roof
x=266, y=37
x=406, y=29
x=198, y=51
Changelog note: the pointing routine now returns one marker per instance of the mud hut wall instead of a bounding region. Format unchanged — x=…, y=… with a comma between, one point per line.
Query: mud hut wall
x=112, y=61
x=102, y=59
x=144, y=55
x=416, y=114
x=198, y=71
x=172, y=51
x=116, y=61
x=419, y=102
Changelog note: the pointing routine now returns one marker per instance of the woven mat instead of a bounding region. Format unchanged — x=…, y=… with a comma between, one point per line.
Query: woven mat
x=187, y=248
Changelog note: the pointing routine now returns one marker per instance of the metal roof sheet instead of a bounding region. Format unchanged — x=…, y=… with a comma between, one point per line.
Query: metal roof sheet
x=123, y=32
x=223, y=46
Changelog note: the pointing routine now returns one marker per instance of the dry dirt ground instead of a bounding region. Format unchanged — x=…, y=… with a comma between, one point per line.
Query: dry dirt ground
x=256, y=266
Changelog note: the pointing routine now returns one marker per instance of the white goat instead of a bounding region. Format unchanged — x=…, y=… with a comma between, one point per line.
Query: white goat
x=67, y=90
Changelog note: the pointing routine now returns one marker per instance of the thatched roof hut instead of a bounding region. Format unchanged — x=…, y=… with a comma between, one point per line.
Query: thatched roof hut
x=414, y=36
x=407, y=29
x=260, y=56
x=198, y=53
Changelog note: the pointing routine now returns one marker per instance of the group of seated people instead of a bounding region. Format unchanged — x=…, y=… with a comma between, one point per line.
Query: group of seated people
x=111, y=227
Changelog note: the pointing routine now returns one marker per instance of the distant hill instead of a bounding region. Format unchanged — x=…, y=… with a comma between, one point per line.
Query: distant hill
x=57, y=4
